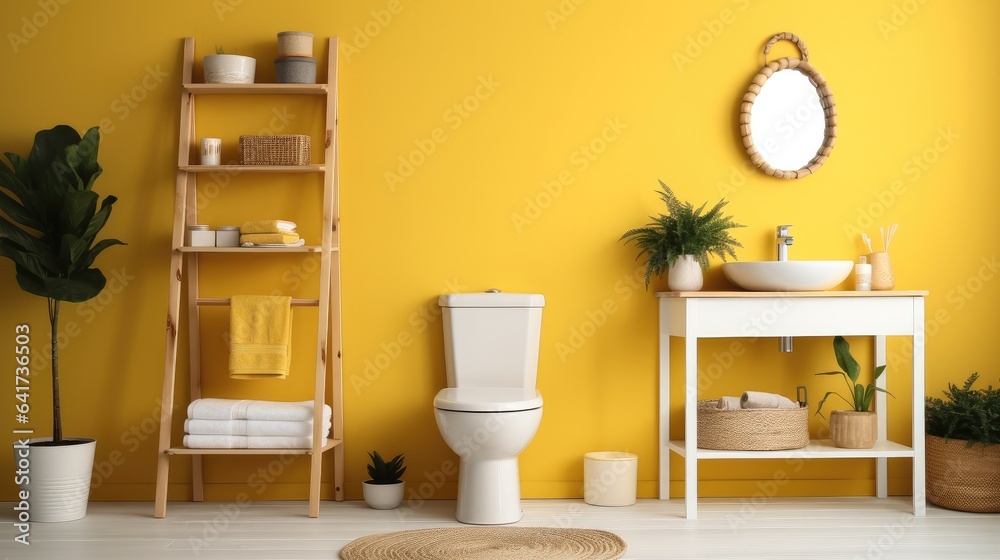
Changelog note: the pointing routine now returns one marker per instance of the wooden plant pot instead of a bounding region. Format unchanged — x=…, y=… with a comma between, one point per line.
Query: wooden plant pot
x=850, y=429
x=963, y=478
x=383, y=496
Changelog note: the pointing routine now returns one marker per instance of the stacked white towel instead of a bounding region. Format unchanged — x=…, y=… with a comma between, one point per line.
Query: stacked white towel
x=252, y=424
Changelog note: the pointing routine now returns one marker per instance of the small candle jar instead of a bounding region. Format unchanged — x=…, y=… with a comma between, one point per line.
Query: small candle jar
x=211, y=151
x=200, y=236
x=227, y=236
x=863, y=275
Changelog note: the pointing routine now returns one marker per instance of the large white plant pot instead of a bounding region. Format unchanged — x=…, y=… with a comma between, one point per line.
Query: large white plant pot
x=229, y=69
x=57, y=478
x=383, y=496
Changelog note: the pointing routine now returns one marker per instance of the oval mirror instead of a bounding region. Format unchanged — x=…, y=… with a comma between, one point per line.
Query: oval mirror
x=788, y=119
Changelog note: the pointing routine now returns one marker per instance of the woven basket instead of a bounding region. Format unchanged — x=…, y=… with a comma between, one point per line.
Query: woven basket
x=274, y=149
x=963, y=478
x=752, y=429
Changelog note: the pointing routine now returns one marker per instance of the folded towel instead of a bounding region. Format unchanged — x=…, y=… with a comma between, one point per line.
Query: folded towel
x=252, y=427
x=269, y=238
x=729, y=403
x=298, y=243
x=246, y=442
x=756, y=399
x=231, y=409
x=261, y=332
x=268, y=226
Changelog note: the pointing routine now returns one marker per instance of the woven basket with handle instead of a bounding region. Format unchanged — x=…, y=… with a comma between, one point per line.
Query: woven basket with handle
x=752, y=429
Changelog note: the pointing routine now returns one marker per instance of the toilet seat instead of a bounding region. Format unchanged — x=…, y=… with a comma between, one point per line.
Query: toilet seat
x=488, y=399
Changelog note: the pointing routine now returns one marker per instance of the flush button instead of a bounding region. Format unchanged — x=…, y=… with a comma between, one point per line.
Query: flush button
x=492, y=291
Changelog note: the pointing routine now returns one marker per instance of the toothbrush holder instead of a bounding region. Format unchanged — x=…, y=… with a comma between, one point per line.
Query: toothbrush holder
x=881, y=271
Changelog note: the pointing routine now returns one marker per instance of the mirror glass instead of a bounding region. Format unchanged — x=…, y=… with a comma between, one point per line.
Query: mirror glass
x=787, y=121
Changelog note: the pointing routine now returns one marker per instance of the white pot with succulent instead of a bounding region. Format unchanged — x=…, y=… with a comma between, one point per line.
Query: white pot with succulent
x=385, y=489
x=681, y=241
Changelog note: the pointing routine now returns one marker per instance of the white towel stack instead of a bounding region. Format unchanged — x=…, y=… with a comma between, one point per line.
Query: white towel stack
x=250, y=424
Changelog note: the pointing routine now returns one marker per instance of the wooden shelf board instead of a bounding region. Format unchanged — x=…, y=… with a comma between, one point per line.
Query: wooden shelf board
x=259, y=89
x=330, y=444
x=817, y=449
x=235, y=169
x=246, y=250
x=828, y=293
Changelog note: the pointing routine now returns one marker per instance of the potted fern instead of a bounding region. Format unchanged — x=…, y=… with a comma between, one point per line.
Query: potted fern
x=49, y=228
x=856, y=428
x=680, y=241
x=385, y=489
x=963, y=458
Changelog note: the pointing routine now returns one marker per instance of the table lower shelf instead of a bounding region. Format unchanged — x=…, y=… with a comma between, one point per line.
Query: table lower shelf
x=330, y=444
x=817, y=449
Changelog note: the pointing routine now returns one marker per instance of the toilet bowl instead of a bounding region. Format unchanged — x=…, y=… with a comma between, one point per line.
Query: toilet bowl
x=490, y=409
x=488, y=428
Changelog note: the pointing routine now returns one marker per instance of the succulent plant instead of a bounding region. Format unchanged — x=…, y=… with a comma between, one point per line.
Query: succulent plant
x=383, y=472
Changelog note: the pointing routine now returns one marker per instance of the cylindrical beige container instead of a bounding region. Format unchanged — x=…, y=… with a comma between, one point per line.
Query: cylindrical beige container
x=295, y=43
x=609, y=478
x=227, y=236
x=881, y=271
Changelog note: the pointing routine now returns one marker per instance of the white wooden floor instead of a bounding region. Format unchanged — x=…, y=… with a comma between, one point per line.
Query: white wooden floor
x=800, y=528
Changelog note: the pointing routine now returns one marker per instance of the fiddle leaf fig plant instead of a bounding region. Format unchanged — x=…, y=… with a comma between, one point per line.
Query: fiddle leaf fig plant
x=49, y=221
x=683, y=230
x=860, y=395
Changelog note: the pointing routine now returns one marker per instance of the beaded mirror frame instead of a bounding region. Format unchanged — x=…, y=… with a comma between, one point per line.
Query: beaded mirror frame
x=826, y=102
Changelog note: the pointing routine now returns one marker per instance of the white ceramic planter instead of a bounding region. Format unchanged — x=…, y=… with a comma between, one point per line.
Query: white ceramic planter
x=384, y=496
x=685, y=275
x=58, y=478
x=229, y=69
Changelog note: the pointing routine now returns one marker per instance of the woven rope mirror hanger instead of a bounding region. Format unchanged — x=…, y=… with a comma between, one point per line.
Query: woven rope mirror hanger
x=788, y=119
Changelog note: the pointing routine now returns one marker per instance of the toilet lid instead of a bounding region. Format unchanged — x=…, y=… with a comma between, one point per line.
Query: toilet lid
x=488, y=399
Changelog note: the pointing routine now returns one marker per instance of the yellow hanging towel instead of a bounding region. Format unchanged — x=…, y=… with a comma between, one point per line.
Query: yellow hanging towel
x=261, y=334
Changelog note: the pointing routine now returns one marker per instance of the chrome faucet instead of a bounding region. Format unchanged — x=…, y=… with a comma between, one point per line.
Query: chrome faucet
x=784, y=240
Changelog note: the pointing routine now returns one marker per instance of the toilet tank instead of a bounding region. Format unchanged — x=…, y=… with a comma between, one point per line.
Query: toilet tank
x=491, y=339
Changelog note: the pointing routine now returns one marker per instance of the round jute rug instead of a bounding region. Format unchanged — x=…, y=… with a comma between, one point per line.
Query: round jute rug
x=487, y=543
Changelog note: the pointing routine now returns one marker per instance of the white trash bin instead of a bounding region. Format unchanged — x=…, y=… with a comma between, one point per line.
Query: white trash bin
x=609, y=478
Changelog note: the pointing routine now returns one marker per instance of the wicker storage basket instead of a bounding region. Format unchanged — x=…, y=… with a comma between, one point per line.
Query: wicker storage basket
x=274, y=149
x=752, y=429
x=963, y=478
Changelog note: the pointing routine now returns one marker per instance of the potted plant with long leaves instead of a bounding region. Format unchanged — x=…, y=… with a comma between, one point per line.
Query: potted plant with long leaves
x=963, y=455
x=680, y=241
x=385, y=489
x=48, y=227
x=856, y=428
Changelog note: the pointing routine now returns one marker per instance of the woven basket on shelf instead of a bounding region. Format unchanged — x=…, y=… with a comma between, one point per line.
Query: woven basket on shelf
x=274, y=149
x=752, y=429
x=963, y=478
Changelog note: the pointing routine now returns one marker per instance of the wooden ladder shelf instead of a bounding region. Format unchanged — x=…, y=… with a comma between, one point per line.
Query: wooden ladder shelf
x=184, y=272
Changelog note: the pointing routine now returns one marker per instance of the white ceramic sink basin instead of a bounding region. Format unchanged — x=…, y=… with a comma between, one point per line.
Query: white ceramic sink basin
x=787, y=276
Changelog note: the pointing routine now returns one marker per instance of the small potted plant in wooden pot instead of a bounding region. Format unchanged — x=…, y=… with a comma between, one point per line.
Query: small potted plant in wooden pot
x=385, y=489
x=856, y=428
x=963, y=458
x=680, y=241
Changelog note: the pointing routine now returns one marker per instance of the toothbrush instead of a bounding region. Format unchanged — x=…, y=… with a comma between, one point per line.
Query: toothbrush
x=868, y=241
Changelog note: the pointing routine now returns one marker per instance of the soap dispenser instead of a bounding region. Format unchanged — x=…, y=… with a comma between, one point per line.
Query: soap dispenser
x=863, y=275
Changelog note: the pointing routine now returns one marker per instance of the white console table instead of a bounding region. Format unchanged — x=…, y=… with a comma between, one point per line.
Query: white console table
x=695, y=315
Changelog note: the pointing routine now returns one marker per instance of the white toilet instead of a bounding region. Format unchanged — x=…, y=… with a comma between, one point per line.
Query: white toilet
x=491, y=409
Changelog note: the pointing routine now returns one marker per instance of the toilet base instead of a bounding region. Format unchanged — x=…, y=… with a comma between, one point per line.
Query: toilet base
x=489, y=492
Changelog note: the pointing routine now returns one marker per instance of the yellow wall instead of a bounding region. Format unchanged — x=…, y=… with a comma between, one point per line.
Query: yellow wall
x=606, y=97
